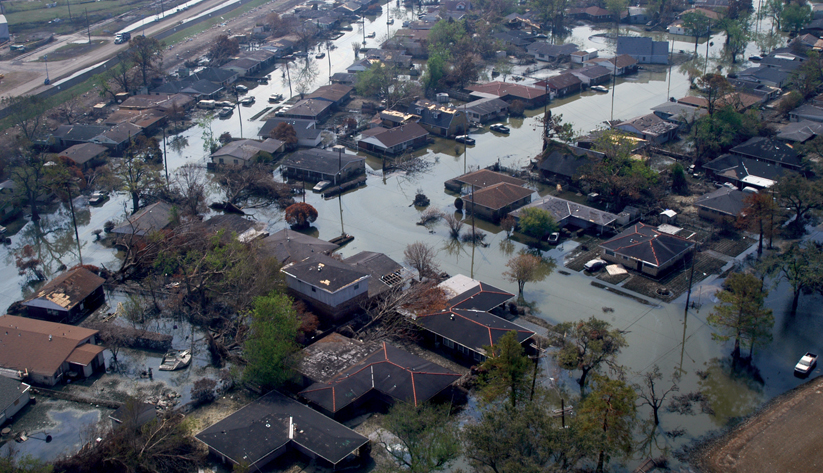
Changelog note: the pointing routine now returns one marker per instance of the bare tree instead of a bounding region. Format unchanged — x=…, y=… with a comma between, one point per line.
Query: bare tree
x=652, y=395
x=526, y=267
x=420, y=256
x=69, y=109
x=385, y=316
x=455, y=224
x=189, y=183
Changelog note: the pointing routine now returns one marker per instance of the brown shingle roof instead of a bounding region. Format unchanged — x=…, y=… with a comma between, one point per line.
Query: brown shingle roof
x=83, y=152
x=37, y=346
x=85, y=354
x=498, y=196
x=485, y=178
x=394, y=136
x=69, y=289
x=502, y=89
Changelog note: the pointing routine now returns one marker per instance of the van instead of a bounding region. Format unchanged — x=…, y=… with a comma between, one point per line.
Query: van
x=207, y=104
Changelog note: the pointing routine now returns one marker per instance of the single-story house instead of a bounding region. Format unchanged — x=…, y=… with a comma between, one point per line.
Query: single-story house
x=466, y=333
x=566, y=162
x=679, y=113
x=644, y=49
x=531, y=96
x=517, y=38
x=485, y=109
x=771, y=76
x=148, y=120
x=332, y=288
x=566, y=212
x=199, y=89
x=439, y=119
x=230, y=224
x=275, y=424
x=319, y=165
x=157, y=102
x=562, y=85
x=800, y=131
x=151, y=218
x=579, y=57
x=224, y=77
x=618, y=65
x=338, y=94
x=495, y=202
x=394, y=140
x=389, y=374
x=592, y=75
x=309, y=109
x=289, y=246
x=635, y=16
x=743, y=172
x=14, y=396
x=308, y=135
x=761, y=148
x=543, y=51
x=385, y=272
x=243, y=66
x=480, y=179
x=46, y=352
x=67, y=297
x=393, y=118
x=592, y=13
x=650, y=127
x=807, y=111
x=116, y=138
x=244, y=152
x=85, y=155
x=645, y=249
x=721, y=204
x=465, y=293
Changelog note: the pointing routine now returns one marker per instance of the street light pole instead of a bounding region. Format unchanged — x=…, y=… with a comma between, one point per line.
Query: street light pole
x=74, y=221
x=339, y=149
x=47, y=81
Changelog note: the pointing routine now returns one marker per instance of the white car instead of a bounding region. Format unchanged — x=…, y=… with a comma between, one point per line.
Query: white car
x=806, y=364
x=594, y=265
x=321, y=185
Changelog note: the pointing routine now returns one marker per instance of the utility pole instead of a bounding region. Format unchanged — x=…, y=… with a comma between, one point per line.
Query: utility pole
x=288, y=74
x=237, y=104
x=88, y=28
x=339, y=149
x=68, y=4
x=74, y=221
x=165, y=161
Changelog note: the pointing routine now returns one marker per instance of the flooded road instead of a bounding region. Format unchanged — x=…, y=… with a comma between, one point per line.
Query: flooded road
x=381, y=218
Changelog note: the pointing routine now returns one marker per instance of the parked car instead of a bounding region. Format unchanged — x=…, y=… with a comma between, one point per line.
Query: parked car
x=320, y=186
x=241, y=89
x=247, y=100
x=554, y=238
x=500, y=128
x=806, y=364
x=225, y=112
x=464, y=139
x=371, y=35
x=98, y=198
x=594, y=265
x=599, y=88
x=275, y=97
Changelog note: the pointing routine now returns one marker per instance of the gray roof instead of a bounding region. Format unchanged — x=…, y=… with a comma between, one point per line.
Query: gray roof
x=83, y=152
x=151, y=218
x=330, y=355
x=384, y=271
x=650, y=124
x=288, y=246
x=724, y=200
x=305, y=129
x=678, y=112
x=593, y=71
x=568, y=160
x=647, y=244
x=800, y=131
x=562, y=209
x=770, y=74
x=552, y=50
x=808, y=110
x=737, y=168
x=10, y=391
x=324, y=272
x=641, y=46
x=248, y=149
x=485, y=105
x=318, y=160
x=259, y=429
x=768, y=149
x=214, y=74
x=473, y=329
x=433, y=114
x=308, y=108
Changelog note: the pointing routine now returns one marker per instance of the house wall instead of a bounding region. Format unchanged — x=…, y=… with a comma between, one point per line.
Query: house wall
x=713, y=215
x=336, y=305
x=15, y=407
x=637, y=265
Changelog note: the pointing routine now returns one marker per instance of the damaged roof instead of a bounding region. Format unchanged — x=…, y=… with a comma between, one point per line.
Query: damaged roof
x=390, y=371
x=66, y=290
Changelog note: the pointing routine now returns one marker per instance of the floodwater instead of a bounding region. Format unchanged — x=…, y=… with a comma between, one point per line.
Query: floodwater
x=381, y=218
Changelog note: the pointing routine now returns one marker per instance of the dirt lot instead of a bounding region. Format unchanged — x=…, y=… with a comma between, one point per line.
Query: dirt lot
x=786, y=436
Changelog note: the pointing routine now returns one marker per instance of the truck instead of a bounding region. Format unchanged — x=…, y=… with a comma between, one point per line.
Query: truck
x=121, y=38
x=806, y=364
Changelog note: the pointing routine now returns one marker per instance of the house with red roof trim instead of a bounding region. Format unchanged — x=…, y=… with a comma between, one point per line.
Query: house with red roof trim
x=646, y=249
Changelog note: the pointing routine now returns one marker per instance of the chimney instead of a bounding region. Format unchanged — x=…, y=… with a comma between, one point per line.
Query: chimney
x=49, y=337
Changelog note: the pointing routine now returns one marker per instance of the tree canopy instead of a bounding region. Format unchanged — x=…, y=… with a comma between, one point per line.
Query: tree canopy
x=271, y=347
x=586, y=346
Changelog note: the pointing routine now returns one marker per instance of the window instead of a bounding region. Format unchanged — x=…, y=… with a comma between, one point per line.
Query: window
x=478, y=356
x=357, y=286
x=313, y=289
x=610, y=252
x=448, y=343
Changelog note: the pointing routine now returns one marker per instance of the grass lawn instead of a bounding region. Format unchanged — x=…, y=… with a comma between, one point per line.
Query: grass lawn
x=72, y=50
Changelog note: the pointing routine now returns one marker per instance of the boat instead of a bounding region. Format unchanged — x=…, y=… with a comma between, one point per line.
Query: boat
x=320, y=55
x=175, y=360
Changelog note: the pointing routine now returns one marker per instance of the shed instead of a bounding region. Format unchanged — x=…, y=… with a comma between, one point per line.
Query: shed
x=67, y=297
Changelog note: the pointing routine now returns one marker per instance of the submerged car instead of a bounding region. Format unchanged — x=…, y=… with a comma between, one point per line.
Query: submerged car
x=599, y=88
x=464, y=139
x=806, y=364
x=98, y=198
x=500, y=128
x=320, y=186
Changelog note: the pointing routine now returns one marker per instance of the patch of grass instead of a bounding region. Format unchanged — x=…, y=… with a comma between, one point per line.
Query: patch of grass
x=73, y=50
x=203, y=26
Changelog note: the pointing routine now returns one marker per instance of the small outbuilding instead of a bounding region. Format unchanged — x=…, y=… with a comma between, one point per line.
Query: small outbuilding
x=67, y=297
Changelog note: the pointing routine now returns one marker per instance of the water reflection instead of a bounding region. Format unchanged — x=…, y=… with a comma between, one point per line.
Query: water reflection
x=730, y=394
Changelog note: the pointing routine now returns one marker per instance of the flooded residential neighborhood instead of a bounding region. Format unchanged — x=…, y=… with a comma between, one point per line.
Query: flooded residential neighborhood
x=435, y=236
